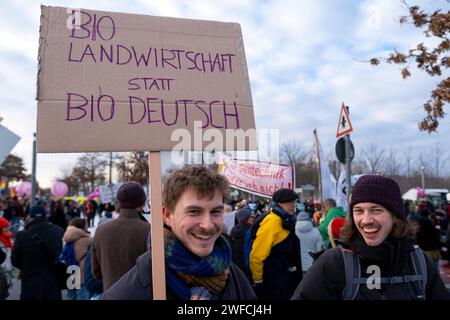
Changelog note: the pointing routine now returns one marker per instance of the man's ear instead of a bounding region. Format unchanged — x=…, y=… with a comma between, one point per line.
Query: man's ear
x=167, y=216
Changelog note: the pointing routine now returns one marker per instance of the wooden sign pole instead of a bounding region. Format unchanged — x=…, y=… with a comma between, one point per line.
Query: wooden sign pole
x=156, y=227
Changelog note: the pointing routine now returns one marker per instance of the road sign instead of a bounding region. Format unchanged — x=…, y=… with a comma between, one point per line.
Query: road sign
x=8, y=141
x=340, y=150
x=344, y=125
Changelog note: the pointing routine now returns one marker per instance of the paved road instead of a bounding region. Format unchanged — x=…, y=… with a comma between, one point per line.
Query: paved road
x=14, y=290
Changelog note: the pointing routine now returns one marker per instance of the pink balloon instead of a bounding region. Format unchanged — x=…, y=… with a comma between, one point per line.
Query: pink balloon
x=24, y=189
x=59, y=189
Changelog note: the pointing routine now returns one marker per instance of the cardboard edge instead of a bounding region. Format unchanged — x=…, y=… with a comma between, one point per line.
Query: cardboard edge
x=43, y=28
x=181, y=19
x=240, y=49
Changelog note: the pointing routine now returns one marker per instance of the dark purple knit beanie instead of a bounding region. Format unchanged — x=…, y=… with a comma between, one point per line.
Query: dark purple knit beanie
x=131, y=195
x=380, y=190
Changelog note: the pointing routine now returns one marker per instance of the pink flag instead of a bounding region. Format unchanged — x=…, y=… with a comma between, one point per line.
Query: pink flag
x=420, y=192
x=94, y=194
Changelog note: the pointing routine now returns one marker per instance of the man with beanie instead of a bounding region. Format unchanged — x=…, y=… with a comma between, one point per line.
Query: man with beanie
x=35, y=251
x=118, y=243
x=377, y=259
x=197, y=256
x=275, y=260
x=239, y=234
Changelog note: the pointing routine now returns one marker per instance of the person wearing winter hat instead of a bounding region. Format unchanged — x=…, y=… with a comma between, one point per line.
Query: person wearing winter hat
x=5, y=234
x=34, y=252
x=275, y=260
x=331, y=211
x=198, y=263
x=310, y=239
x=77, y=234
x=118, y=243
x=334, y=230
x=238, y=236
x=378, y=244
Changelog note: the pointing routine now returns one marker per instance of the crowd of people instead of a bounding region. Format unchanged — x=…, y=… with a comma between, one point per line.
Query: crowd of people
x=218, y=248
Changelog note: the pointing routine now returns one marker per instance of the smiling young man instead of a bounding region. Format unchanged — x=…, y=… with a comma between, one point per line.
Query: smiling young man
x=378, y=259
x=197, y=257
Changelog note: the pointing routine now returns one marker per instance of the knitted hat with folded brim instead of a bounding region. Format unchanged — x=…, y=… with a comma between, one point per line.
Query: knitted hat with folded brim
x=37, y=211
x=131, y=195
x=243, y=215
x=303, y=216
x=380, y=190
x=335, y=227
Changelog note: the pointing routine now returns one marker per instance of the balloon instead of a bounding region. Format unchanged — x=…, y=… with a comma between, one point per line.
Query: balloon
x=59, y=189
x=24, y=189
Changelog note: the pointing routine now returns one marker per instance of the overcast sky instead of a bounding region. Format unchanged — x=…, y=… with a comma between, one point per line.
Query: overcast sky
x=304, y=58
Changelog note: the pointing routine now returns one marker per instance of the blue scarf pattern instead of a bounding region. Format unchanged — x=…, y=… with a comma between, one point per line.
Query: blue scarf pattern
x=190, y=276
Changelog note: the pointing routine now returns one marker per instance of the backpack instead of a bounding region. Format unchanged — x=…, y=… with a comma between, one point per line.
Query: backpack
x=353, y=277
x=250, y=236
x=67, y=255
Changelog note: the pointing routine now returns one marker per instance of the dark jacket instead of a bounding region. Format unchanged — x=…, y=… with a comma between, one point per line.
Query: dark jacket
x=275, y=258
x=36, y=269
x=237, y=247
x=325, y=280
x=136, y=284
x=428, y=237
x=117, y=244
x=59, y=218
x=2, y=256
x=93, y=285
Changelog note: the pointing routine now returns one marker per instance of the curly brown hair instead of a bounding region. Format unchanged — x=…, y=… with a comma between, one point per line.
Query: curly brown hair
x=195, y=178
x=402, y=228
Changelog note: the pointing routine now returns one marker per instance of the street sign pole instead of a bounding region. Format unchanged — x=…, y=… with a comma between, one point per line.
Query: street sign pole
x=344, y=129
x=33, y=173
x=348, y=168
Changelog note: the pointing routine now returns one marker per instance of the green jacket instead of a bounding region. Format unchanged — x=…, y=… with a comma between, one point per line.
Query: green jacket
x=336, y=212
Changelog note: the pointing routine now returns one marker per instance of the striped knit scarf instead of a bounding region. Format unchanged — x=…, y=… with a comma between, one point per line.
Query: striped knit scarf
x=191, y=277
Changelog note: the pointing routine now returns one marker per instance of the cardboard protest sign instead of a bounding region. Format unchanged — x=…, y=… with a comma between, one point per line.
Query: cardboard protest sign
x=8, y=141
x=261, y=178
x=125, y=82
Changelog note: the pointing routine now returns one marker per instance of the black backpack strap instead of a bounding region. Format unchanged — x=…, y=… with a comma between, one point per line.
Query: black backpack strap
x=47, y=254
x=352, y=274
x=401, y=279
x=418, y=280
x=421, y=272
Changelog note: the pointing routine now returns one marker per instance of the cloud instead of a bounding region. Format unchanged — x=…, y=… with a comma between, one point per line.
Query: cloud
x=304, y=59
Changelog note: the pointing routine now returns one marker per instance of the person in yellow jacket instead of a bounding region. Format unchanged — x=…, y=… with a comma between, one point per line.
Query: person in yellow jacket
x=275, y=260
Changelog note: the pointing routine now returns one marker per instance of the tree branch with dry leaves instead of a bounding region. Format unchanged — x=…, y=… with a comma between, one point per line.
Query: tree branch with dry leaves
x=434, y=61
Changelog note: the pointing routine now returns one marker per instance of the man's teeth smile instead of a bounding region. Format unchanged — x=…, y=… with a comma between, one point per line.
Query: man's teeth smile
x=370, y=229
x=202, y=237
